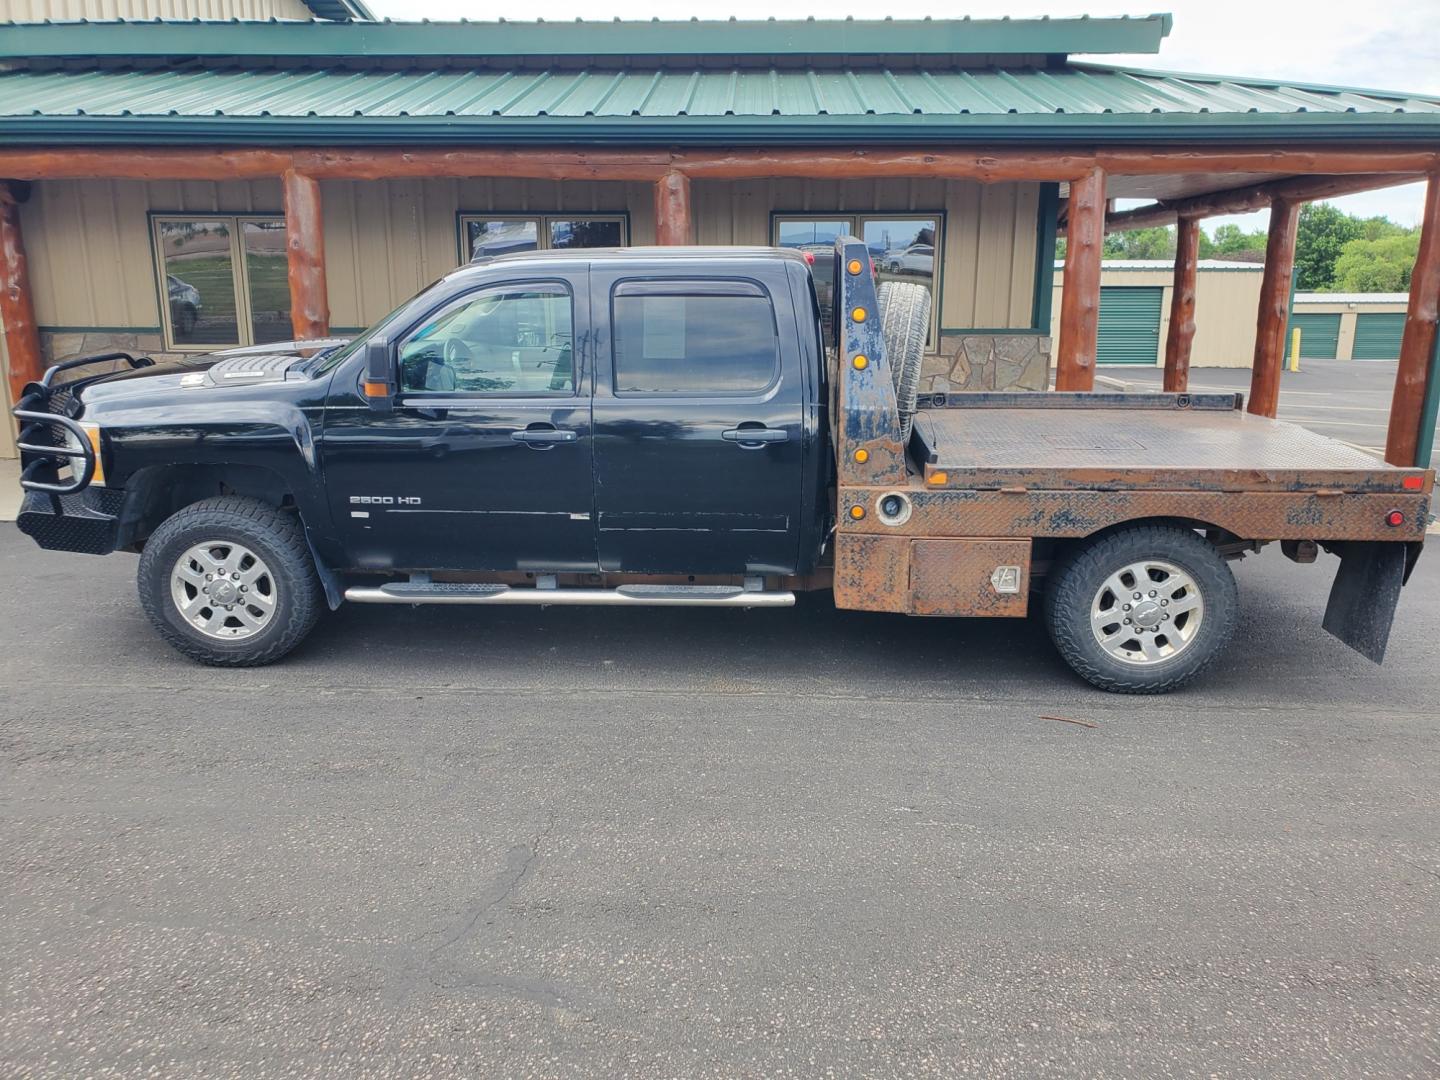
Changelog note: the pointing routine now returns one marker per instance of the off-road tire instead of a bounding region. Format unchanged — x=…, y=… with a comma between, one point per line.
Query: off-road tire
x=904, y=322
x=275, y=536
x=1078, y=578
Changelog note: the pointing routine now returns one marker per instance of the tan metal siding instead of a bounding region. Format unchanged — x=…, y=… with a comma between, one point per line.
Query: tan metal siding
x=39, y=10
x=7, y=428
x=989, y=259
x=92, y=264
x=1226, y=302
x=385, y=240
x=88, y=242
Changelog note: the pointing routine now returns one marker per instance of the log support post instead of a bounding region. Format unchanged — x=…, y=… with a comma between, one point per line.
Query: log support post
x=672, y=209
x=1408, y=442
x=17, y=302
x=1182, y=306
x=305, y=254
x=1274, y=314
x=1080, y=294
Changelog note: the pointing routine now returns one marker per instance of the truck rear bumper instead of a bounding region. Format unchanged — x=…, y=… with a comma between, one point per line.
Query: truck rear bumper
x=87, y=522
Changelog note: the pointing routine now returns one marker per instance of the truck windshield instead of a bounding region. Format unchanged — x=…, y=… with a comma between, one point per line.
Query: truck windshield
x=326, y=363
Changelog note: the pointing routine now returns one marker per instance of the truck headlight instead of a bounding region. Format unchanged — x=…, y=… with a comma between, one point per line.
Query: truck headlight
x=92, y=432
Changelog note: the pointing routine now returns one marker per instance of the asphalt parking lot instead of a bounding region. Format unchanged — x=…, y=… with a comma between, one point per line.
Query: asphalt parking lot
x=1344, y=399
x=580, y=842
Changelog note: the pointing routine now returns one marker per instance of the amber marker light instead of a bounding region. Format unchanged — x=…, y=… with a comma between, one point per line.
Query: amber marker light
x=939, y=478
x=375, y=389
x=858, y=314
x=857, y=512
x=862, y=455
x=861, y=362
x=854, y=266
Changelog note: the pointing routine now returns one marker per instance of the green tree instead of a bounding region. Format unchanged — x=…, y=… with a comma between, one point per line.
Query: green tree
x=1382, y=265
x=1323, y=232
x=1233, y=242
x=1154, y=243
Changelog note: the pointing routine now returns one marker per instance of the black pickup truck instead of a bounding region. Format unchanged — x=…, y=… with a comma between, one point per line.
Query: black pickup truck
x=668, y=427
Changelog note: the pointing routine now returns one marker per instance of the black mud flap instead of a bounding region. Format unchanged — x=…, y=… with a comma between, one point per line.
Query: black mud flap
x=1363, y=598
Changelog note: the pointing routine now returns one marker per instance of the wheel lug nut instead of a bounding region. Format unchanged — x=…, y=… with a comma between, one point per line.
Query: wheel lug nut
x=1165, y=617
x=1152, y=592
x=208, y=577
x=1127, y=607
x=1127, y=622
x=1137, y=596
x=1164, y=603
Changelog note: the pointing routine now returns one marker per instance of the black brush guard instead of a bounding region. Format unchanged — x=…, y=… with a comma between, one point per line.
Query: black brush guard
x=42, y=461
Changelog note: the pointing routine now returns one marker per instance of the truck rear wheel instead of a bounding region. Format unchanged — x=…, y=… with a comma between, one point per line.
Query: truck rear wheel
x=230, y=582
x=1143, y=609
x=905, y=323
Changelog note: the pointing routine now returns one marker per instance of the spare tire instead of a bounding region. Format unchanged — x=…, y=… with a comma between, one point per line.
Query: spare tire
x=904, y=322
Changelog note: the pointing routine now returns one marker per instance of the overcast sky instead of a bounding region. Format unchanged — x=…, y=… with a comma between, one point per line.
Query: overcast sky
x=1391, y=44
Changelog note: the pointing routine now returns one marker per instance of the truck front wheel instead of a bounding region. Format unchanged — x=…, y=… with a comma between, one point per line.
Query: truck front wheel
x=230, y=582
x=1143, y=609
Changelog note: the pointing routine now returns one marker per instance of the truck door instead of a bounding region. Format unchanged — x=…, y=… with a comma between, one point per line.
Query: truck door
x=485, y=462
x=698, y=420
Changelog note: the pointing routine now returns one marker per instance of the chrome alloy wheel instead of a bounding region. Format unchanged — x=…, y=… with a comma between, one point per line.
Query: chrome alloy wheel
x=224, y=590
x=1147, y=612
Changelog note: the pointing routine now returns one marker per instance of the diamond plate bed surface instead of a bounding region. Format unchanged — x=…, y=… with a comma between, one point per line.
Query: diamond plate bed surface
x=1120, y=439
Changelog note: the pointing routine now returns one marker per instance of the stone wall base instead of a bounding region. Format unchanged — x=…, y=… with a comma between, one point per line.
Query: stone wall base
x=987, y=362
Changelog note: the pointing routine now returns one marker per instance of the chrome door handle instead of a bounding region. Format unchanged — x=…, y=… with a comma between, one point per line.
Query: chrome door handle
x=542, y=436
x=744, y=435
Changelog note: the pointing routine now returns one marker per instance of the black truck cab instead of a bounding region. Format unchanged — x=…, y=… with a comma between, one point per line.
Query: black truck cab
x=638, y=412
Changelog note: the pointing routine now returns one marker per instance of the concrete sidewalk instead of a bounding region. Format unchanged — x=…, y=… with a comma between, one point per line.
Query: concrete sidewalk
x=9, y=488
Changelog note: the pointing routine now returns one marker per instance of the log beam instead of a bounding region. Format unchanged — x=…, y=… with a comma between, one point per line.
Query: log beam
x=1405, y=439
x=1080, y=295
x=672, y=209
x=1243, y=200
x=305, y=256
x=1274, y=313
x=17, y=302
x=984, y=164
x=1181, y=334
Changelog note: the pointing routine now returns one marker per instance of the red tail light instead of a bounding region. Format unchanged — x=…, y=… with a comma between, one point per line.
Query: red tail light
x=1394, y=518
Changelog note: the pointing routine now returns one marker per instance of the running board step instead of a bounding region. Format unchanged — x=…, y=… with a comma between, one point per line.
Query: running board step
x=624, y=596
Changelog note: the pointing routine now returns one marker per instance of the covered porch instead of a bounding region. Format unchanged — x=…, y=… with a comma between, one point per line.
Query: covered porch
x=679, y=133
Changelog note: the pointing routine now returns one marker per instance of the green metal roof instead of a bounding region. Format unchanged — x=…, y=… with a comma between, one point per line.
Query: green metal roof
x=415, y=41
x=1065, y=103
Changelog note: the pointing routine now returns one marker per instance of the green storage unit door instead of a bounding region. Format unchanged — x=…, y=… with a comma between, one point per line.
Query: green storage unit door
x=1130, y=324
x=1319, y=336
x=1377, y=335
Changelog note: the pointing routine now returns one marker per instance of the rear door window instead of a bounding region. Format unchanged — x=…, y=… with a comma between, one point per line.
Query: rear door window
x=696, y=337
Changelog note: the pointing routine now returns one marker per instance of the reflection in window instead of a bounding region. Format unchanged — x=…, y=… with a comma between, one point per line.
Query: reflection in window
x=485, y=236
x=225, y=280
x=505, y=340
x=902, y=248
x=267, y=281
x=200, y=281
x=722, y=344
x=585, y=233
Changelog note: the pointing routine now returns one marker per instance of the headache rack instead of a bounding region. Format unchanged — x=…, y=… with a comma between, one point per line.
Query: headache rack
x=42, y=461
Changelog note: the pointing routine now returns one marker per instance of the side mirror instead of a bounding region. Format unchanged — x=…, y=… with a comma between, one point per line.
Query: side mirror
x=378, y=386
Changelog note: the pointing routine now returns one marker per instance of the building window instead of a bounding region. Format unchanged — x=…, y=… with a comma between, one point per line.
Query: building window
x=224, y=280
x=902, y=248
x=482, y=235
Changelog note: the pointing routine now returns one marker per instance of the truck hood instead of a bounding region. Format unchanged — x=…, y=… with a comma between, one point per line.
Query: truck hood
x=248, y=366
